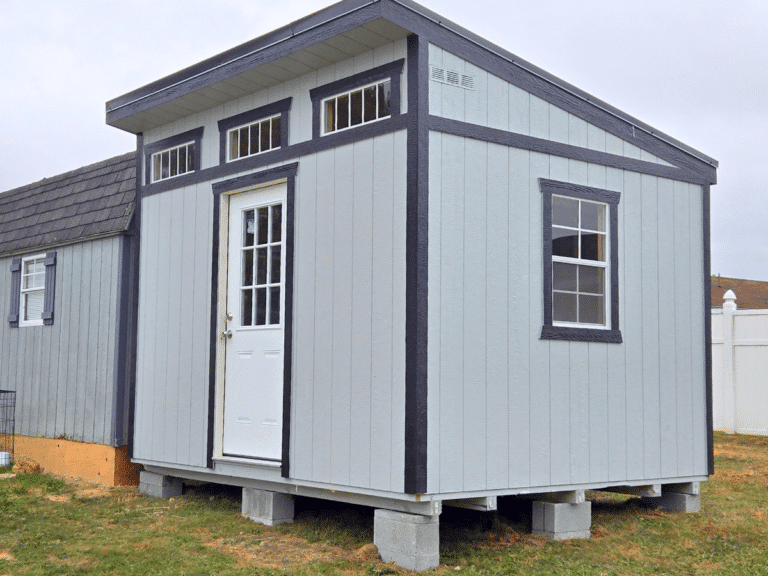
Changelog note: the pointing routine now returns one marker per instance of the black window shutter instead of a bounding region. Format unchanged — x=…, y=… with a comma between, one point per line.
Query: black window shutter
x=13, y=317
x=50, y=287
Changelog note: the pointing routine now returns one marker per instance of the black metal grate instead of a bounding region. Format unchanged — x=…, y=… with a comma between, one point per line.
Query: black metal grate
x=7, y=420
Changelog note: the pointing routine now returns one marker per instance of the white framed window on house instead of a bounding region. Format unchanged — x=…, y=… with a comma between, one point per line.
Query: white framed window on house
x=33, y=287
x=580, y=262
x=360, y=106
x=173, y=162
x=254, y=138
x=364, y=98
x=175, y=158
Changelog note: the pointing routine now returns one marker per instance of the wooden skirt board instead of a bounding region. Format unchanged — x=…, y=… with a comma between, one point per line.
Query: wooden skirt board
x=254, y=335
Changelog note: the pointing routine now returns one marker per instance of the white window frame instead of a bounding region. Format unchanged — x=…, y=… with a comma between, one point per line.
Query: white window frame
x=250, y=125
x=159, y=178
x=605, y=265
x=323, y=114
x=23, y=292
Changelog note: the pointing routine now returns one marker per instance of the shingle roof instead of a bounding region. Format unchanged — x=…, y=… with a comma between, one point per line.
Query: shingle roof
x=751, y=294
x=92, y=201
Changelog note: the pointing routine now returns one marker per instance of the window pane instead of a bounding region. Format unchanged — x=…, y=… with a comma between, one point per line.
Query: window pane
x=243, y=142
x=261, y=266
x=564, y=276
x=330, y=115
x=274, y=305
x=263, y=225
x=342, y=109
x=174, y=161
x=253, y=142
x=593, y=246
x=565, y=242
x=166, y=164
x=356, y=108
x=234, y=146
x=183, y=160
x=369, y=104
x=593, y=216
x=384, y=97
x=565, y=212
x=266, y=137
x=591, y=280
x=249, y=226
x=274, y=273
x=591, y=309
x=247, y=309
x=248, y=268
x=563, y=307
x=277, y=222
x=156, y=171
x=191, y=157
x=276, y=132
x=261, y=306
x=33, y=305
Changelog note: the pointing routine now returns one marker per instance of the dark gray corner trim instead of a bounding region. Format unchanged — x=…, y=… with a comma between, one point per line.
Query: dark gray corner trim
x=280, y=107
x=549, y=331
x=391, y=70
x=708, y=328
x=195, y=135
x=496, y=136
x=121, y=375
x=288, y=172
x=309, y=30
x=416, y=270
x=133, y=316
x=362, y=132
x=13, y=316
x=525, y=75
x=50, y=288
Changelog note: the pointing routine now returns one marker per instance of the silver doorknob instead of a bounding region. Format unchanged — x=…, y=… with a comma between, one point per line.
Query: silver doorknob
x=227, y=334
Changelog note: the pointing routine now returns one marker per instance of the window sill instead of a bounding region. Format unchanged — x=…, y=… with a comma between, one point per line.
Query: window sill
x=581, y=334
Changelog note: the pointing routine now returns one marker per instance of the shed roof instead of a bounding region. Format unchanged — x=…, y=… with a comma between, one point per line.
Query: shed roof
x=87, y=203
x=750, y=294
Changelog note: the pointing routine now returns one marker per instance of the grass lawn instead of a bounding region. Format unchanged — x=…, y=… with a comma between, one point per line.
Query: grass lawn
x=52, y=526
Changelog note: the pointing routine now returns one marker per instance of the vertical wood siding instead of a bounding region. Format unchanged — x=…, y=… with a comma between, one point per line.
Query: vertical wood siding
x=510, y=410
x=64, y=374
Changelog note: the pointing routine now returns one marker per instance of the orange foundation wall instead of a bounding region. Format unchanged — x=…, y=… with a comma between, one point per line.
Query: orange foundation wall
x=93, y=462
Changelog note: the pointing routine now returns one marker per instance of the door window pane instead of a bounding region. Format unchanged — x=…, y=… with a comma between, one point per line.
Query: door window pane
x=247, y=308
x=277, y=223
x=249, y=228
x=261, y=306
x=248, y=268
x=274, y=276
x=263, y=226
x=261, y=266
x=274, y=305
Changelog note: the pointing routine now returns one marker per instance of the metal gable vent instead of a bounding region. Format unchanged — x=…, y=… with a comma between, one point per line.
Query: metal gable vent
x=452, y=78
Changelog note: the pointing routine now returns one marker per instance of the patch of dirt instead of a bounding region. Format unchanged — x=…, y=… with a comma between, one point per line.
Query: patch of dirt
x=26, y=465
x=57, y=497
x=7, y=476
x=93, y=493
x=275, y=550
x=6, y=556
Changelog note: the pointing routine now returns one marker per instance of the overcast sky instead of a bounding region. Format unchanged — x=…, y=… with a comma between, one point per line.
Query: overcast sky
x=695, y=70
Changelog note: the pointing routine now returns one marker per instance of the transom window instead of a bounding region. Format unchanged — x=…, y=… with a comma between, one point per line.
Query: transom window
x=262, y=252
x=359, y=106
x=579, y=261
x=32, y=290
x=173, y=162
x=254, y=138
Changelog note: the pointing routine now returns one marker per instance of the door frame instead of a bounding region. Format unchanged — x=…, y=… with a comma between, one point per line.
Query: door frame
x=221, y=193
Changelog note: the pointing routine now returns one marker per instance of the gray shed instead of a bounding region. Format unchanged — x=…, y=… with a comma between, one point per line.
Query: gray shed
x=384, y=261
x=65, y=258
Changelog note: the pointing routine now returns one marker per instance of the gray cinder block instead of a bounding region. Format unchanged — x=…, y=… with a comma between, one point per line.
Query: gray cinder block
x=675, y=502
x=159, y=485
x=270, y=508
x=411, y=541
x=560, y=521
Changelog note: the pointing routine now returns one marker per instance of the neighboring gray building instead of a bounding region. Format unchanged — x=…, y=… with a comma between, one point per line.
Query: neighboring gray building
x=385, y=261
x=65, y=257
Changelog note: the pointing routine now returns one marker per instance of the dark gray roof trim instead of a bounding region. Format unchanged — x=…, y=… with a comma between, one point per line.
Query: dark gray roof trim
x=87, y=203
x=349, y=14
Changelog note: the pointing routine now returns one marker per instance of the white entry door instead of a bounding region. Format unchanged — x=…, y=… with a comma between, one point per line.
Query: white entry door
x=253, y=381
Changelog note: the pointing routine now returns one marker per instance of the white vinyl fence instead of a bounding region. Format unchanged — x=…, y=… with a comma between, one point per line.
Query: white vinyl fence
x=739, y=368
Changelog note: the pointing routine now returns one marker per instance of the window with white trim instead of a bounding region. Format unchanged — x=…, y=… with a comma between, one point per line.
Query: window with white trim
x=32, y=295
x=581, y=300
x=360, y=106
x=254, y=138
x=173, y=162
